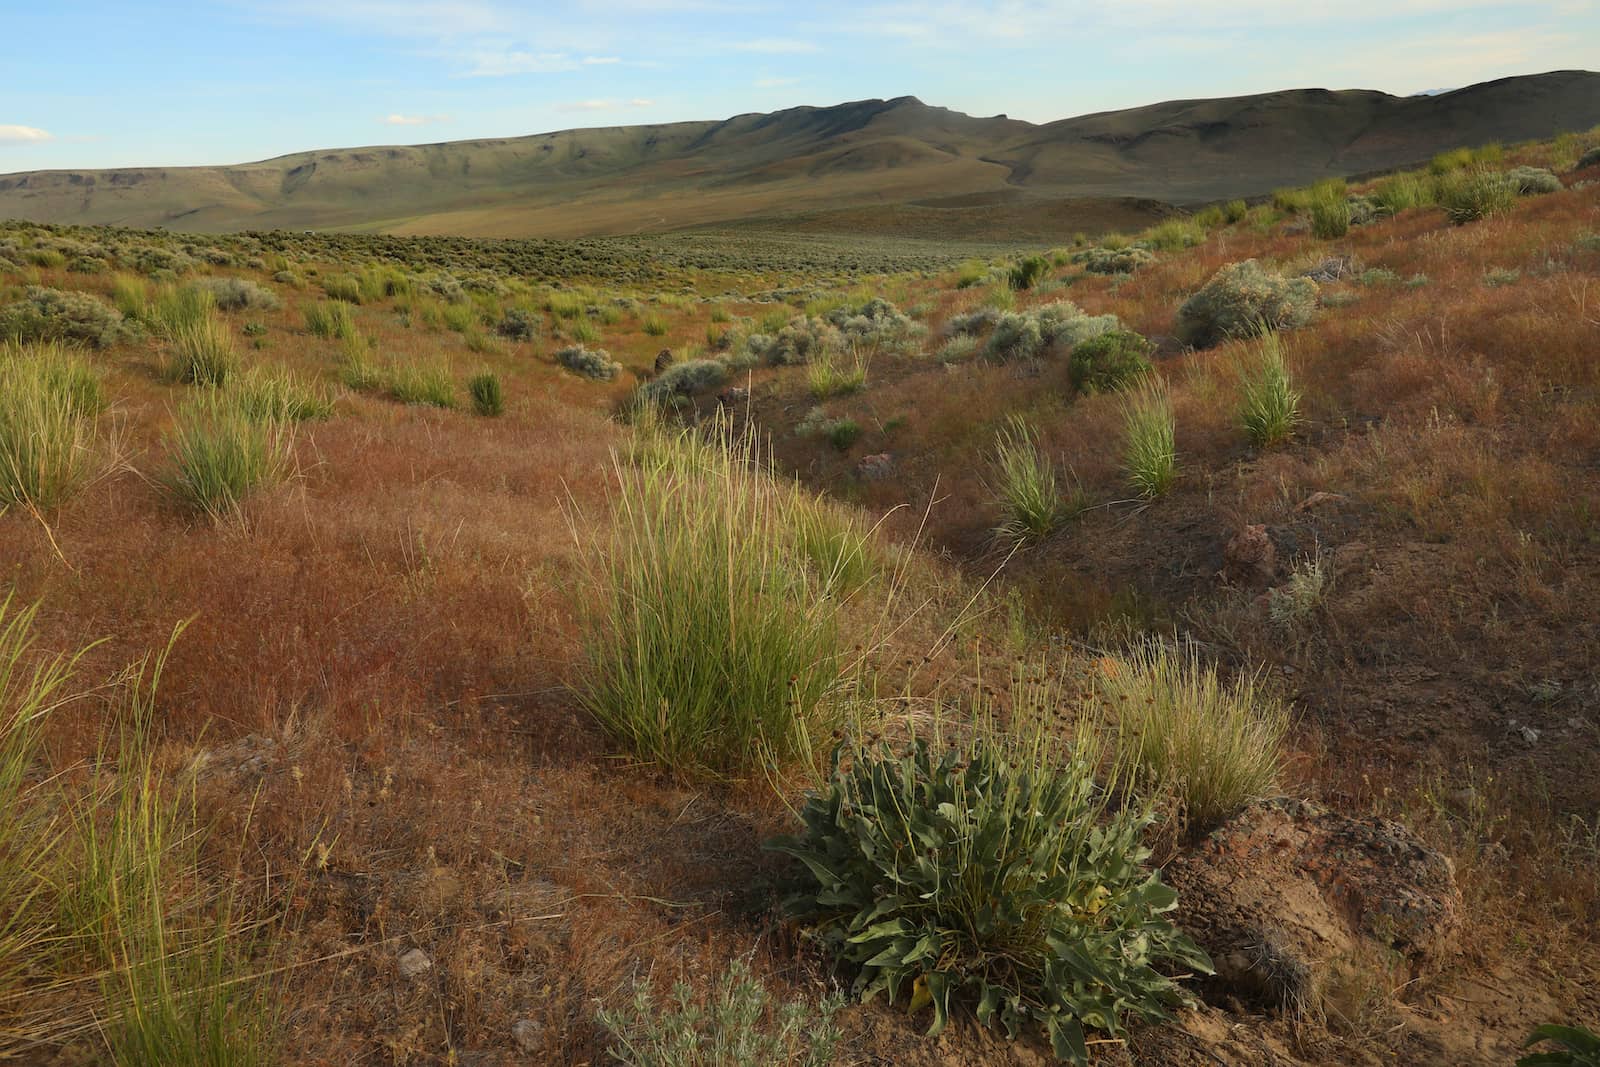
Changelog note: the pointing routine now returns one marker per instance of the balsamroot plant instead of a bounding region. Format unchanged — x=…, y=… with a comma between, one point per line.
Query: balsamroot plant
x=995, y=874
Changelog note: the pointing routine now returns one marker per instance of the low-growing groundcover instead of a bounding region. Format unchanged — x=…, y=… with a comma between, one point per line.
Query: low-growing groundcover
x=992, y=874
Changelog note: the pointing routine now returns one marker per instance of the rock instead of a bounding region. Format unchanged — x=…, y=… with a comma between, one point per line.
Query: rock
x=528, y=1035
x=733, y=395
x=1332, y=269
x=251, y=756
x=1249, y=558
x=1529, y=735
x=1318, y=500
x=1289, y=895
x=664, y=360
x=415, y=963
x=875, y=468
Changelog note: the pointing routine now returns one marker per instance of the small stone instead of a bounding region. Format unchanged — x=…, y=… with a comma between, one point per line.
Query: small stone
x=528, y=1035
x=415, y=963
x=875, y=468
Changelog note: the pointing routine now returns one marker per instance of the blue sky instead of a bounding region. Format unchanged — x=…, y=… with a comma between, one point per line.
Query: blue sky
x=97, y=83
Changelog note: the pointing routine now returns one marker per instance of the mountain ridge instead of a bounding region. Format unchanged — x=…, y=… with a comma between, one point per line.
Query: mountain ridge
x=900, y=150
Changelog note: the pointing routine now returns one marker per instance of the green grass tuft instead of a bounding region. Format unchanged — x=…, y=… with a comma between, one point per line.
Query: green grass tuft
x=1269, y=406
x=221, y=454
x=1150, y=453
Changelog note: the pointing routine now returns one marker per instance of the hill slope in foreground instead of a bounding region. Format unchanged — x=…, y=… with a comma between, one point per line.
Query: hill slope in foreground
x=943, y=165
x=386, y=808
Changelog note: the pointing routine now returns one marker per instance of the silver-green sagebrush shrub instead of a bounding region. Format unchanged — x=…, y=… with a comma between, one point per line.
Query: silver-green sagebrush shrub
x=45, y=314
x=1109, y=361
x=994, y=874
x=739, y=1026
x=1533, y=181
x=595, y=364
x=685, y=379
x=1242, y=300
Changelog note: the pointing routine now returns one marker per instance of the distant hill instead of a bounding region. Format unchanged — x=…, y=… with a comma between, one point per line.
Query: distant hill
x=942, y=169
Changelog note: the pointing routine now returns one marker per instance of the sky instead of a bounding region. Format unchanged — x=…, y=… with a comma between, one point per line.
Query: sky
x=109, y=83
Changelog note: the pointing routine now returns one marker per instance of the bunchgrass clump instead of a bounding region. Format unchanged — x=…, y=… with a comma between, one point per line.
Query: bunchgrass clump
x=1032, y=505
x=1028, y=272
x=488, y=398
x=1476, y=193
x=331, y=319
x=279, y=395
x=713, y=646
x=1269, y=406
x=833, y=375
x=221, y=454
x=201, y=352
x=49, y=403
x=177, y=309
x=1187, y=736
x=1330, y=217
x=1150, y=454
x=423, y=382
x=740, y=1025
x=990, y=869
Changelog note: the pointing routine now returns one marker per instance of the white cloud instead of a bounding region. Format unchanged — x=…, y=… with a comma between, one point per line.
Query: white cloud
x=777, y=46
x=499, y=64
x=604, y=105
x=412, y=120
x=599, y=61
x=774, y=83
x=23, y=135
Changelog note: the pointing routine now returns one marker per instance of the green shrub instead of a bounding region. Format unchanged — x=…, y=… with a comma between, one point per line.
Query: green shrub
x=584, y=332
x=1024, y=481
x=1234, y=211
x=994, y=873
x=1451, y=161
x=1377, y=276
x=201, y=353
x=1242, y=300
x=741, y=1026
x=55, y=315
x=842, y=433
x=220, y=455
x=958, y=348
x=1575, y=1046
x=49, y=400
x=711, y=645
x=1533, y=181
x=487, y=397
x=331, y=320
x=685, y=379
x=1027, y=272
x=237, y=294
x=655, y=326
x=1269, y=406
x=971, y=273
x=459, y=318
x=595, y=364
x=278, y=395
x=1186, y=735
x=1150, y=453
x=422, y=382
x=1591, y=158
x=1292, y=201
x=1476, y=193
x=1108, y=362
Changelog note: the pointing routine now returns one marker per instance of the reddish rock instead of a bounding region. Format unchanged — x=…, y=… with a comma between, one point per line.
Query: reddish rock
x=1290, y=894
x=1249, y=558
x=875, y=468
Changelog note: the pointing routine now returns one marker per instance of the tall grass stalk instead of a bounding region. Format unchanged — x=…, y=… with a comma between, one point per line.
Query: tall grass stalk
x=714, y=646
x=49, y=404
x=1031, y=502
x=1269, y=406
x=221, y=454
x=1186, y=735
x=202, y=352
x=1150, y=453
x=331, y=319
